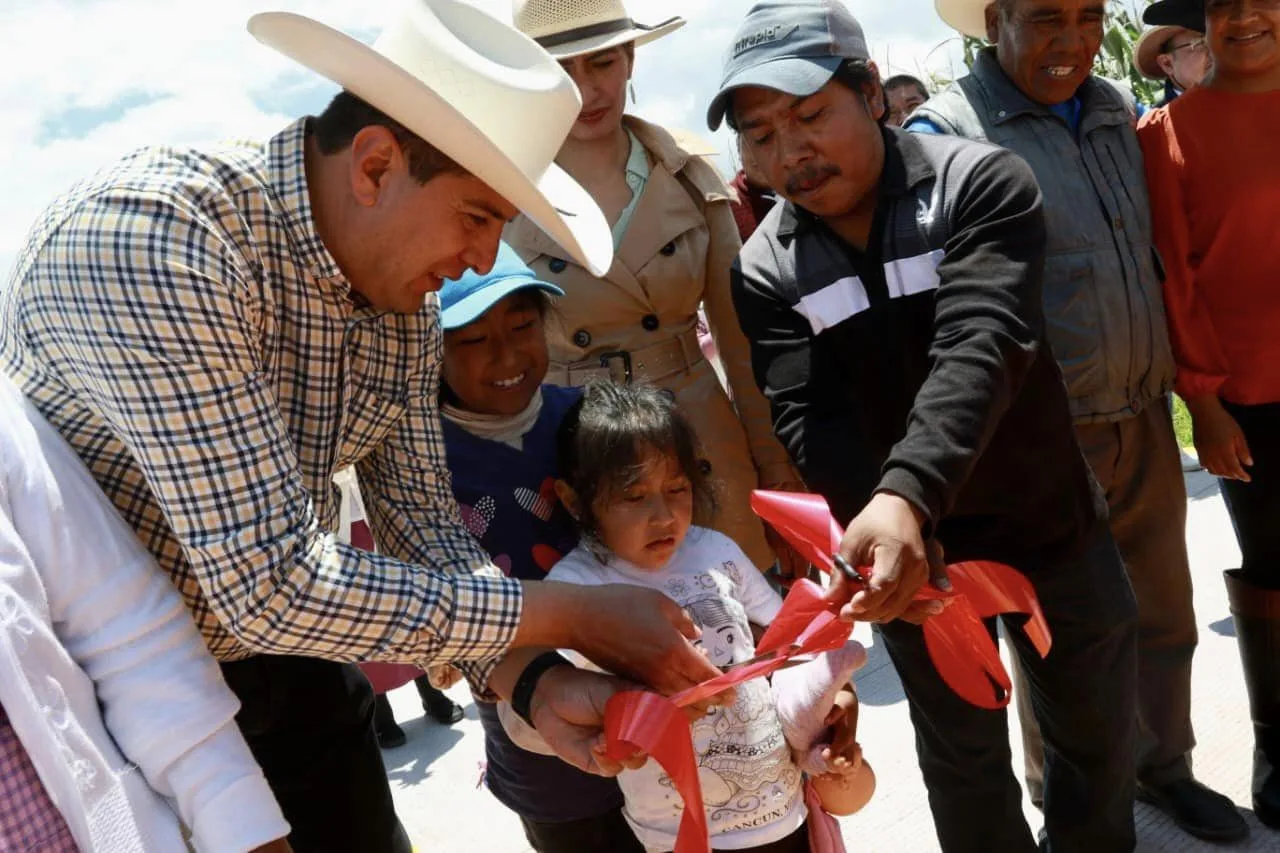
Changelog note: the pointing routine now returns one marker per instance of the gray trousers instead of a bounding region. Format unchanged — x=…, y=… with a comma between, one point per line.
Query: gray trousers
x=1137, y=463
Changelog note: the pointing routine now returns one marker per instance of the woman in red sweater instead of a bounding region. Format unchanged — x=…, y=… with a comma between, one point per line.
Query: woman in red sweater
x=1215, y=195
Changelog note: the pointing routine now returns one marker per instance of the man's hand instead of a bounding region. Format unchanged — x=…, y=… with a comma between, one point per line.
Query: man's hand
x=642, y=635
x=567, y=709
x=631, y=631
x=886, y=536
x=1220, y=443
x=791, y=566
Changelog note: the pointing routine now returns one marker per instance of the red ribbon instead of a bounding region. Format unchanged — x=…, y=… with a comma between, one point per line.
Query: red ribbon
x=957, y=640
x=638, y=721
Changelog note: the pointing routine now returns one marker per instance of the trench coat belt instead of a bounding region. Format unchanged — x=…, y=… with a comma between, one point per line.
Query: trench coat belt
x=653, y=363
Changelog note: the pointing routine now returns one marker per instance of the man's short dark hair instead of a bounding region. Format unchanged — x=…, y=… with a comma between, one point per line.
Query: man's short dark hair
x=901, y=81
x=858, y=75
x=855, y=74
x=347, y=115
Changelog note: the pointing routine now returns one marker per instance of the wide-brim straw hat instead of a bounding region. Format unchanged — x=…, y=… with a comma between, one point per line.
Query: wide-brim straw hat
x=569, y=28
x=968, y=17
x=1165, y=19
x=482, y=93
x=1149, y=47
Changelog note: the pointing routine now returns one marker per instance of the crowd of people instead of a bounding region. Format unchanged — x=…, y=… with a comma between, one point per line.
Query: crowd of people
x=557, y=351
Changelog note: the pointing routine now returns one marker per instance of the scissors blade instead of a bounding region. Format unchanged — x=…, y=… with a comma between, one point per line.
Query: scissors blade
x=767, y=656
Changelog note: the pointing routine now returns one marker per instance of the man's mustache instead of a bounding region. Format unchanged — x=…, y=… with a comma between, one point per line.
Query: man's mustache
x=810, y=175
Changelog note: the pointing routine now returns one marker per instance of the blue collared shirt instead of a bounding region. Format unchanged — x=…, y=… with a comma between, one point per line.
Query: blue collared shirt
x=637, y=176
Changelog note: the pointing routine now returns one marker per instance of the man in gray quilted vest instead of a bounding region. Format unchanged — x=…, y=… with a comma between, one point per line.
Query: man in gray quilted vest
x=1033, y=92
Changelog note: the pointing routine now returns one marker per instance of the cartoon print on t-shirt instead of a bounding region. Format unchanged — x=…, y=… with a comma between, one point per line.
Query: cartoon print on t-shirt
x=726, y=635
x=744, y=762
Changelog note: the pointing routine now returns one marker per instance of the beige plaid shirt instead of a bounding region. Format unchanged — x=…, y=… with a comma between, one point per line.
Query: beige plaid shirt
x=180, y=322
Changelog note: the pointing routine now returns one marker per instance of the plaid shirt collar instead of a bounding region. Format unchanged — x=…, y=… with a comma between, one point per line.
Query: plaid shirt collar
x=287, y=178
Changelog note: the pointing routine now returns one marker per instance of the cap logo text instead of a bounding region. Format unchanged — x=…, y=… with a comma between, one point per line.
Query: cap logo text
x=768, y=35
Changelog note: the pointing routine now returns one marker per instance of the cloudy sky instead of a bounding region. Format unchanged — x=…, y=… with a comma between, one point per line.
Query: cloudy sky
x=84, y=81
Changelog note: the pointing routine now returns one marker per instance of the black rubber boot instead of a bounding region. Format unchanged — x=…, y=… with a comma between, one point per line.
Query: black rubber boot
x=1257, y=618
x=388, y=732
x=438, y=706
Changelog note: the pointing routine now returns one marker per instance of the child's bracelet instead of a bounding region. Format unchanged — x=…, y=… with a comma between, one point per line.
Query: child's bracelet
x=522, y=693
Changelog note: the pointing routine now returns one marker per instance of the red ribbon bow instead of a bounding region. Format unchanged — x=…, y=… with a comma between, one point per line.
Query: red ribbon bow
x=957, y=640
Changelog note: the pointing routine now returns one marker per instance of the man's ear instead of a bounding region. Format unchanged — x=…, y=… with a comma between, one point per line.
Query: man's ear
x=569, y=498
x=1165, y=61
x=374, y=151
x=993, y=23
x=875, y=95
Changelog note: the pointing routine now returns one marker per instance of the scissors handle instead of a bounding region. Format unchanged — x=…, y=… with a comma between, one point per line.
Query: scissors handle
x=847, y=570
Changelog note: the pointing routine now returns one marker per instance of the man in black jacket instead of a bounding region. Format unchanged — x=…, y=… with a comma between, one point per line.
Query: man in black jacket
x=893, y=305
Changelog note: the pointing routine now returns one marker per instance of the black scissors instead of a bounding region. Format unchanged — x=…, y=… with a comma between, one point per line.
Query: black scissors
x=847, y=570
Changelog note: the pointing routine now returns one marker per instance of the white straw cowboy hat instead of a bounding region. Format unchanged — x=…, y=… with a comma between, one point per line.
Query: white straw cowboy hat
x=966, y=16
x=1149, y=47
x=568, y=28
x=483, y=94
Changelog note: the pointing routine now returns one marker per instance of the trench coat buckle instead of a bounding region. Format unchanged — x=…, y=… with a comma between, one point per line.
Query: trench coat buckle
x=606, y=359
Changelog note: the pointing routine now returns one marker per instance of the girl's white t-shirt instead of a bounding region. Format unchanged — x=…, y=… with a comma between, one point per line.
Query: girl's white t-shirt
x=751, y=787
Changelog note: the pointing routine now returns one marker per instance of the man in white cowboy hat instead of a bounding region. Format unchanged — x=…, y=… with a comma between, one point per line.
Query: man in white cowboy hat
x=217, y=332
x=1033, y=91
x=893, y=303
x=1173, y=47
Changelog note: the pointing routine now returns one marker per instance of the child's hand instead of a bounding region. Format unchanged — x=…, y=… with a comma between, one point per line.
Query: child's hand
x=443, y=676
x=844, y=755
x=845, y=763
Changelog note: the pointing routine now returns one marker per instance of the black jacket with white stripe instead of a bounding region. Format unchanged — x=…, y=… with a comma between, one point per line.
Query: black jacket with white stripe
x=920, y=367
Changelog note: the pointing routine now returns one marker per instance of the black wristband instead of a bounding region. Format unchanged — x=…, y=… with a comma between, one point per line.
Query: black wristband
x=522, y=693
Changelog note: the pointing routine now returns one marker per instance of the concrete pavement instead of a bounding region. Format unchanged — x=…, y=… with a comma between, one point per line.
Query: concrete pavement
x=435, y=775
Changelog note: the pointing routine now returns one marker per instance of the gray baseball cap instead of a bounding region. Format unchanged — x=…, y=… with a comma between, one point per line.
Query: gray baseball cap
x=793, y=46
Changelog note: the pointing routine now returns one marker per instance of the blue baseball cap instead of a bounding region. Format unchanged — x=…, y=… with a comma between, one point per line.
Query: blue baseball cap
x=793, y=46
x=467, y=299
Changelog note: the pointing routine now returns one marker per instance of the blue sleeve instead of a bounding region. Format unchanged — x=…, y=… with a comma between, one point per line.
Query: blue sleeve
x=1143, y=109
x=924, y=125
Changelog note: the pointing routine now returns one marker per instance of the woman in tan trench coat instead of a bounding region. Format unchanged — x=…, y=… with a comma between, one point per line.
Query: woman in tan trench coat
x=675, y=239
